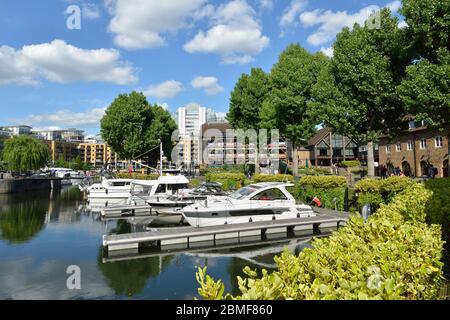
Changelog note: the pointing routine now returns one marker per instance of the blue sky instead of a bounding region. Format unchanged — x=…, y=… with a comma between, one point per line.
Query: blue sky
x=176, y=52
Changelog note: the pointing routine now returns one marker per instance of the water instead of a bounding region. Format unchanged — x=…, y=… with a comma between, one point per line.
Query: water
x=42, y=233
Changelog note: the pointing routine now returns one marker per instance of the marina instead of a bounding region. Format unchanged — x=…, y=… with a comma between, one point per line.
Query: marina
x=189, y=235
x=46, y=231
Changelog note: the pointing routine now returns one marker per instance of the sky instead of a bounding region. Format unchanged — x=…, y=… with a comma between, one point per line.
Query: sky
x=58, y=71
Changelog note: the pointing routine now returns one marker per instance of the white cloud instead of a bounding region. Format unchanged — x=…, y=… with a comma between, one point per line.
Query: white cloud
x=266, y=4
x=235, y=34
x=402, y=24
x=61, y=62
x=327, y=51
x=167, y=89
x=63, y=119
x=330, y=23
x=209, y=84
x=290, y=14
x=139, y=24
x=90, y=11
x=394, y=6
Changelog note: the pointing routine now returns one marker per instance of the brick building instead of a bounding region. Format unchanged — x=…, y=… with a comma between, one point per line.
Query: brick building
x=415, y=149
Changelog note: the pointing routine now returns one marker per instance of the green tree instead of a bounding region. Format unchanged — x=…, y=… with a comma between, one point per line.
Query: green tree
x=24, y=153
x=357, y=95
x=246, y=101
x=425, y=91
x=132, y=127
x=76, y=164
x=60, y=162
x=428, y=27
x=286, y=107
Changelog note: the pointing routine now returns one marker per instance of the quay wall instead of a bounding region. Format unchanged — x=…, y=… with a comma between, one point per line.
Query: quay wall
x=30, y=184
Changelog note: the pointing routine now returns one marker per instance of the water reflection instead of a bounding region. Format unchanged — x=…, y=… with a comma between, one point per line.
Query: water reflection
x=129, y=277
x=47, y=231
x=20, y=220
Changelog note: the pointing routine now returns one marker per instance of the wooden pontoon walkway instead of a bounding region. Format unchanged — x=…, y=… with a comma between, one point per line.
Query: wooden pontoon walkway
x=170, y=236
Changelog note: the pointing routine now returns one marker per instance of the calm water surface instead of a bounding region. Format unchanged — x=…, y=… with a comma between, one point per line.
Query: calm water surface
x=42, y=233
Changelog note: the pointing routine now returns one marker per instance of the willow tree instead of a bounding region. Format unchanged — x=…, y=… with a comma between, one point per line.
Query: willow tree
x=357, y=95
x=286, y=107
x=25, y=153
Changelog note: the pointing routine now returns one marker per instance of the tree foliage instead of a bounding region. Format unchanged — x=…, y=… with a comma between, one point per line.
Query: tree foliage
x=132, y=127
x=291, y=80
x=428, y=27
x=24, y=153
x=425, y=91
x=247, y=98
x=357, y=95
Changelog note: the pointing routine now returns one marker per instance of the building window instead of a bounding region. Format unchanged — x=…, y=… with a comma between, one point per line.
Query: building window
x=438, y=142
x=410, y=145
x=423, y=143
x=337, y=141
x=388, y=148
x=398, y=147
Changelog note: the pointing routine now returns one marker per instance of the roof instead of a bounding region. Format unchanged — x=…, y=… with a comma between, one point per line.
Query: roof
x=319, y=136
x=179, y=179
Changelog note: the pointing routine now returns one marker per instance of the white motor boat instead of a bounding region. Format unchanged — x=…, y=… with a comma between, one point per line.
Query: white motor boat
x=109, y=189
x=68, y=176
x=256, y=202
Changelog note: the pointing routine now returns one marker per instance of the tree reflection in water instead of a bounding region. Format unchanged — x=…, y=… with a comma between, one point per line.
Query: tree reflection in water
x=129, y=277
x=22, y=216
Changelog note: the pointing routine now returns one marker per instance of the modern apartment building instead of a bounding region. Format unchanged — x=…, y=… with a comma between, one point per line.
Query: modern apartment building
x=16, y=130
x=62, y=149
x=97, y=154
x=220, y=145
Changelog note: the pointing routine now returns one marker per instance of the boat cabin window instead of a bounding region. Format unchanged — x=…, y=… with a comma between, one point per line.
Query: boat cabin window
x=119, y=184
x=163, y=188
x=243, y=192
x=270, y=195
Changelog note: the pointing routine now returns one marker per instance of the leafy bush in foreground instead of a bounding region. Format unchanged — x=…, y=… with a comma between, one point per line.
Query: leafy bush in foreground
x=393, y=255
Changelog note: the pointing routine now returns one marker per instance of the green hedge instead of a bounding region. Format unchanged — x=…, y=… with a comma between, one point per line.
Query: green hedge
x=379, y=191
x=350, y=163
x=272, y=178
x=229, y=181
x=138, y=176
x=393, y=255
x=331, y=191
x=324, y=181
x=439, y=205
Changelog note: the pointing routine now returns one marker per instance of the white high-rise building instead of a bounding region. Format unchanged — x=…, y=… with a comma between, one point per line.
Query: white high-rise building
x=190, y=119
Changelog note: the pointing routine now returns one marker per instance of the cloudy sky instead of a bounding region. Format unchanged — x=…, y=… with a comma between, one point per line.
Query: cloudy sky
x=176, y=52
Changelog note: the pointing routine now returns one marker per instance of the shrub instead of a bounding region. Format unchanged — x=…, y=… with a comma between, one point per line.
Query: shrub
x=376, y=192
x=350, y=163
x=393, y=255
x=272, y=178
x=331, y=190
x=229, y=181
x=324, y=182
x=438, y=208
x=138, y=176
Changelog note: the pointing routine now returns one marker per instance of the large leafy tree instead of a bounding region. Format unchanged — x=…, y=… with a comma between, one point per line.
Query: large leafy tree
x=24, y=153
x=133, y=127
x=286, y=107
x=246, y=101
x=357, y=95
x=428, y=27
x=425, y=91
x=247, y=98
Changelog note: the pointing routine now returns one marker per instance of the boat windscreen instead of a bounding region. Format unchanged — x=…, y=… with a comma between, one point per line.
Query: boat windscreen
x=243, y=192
